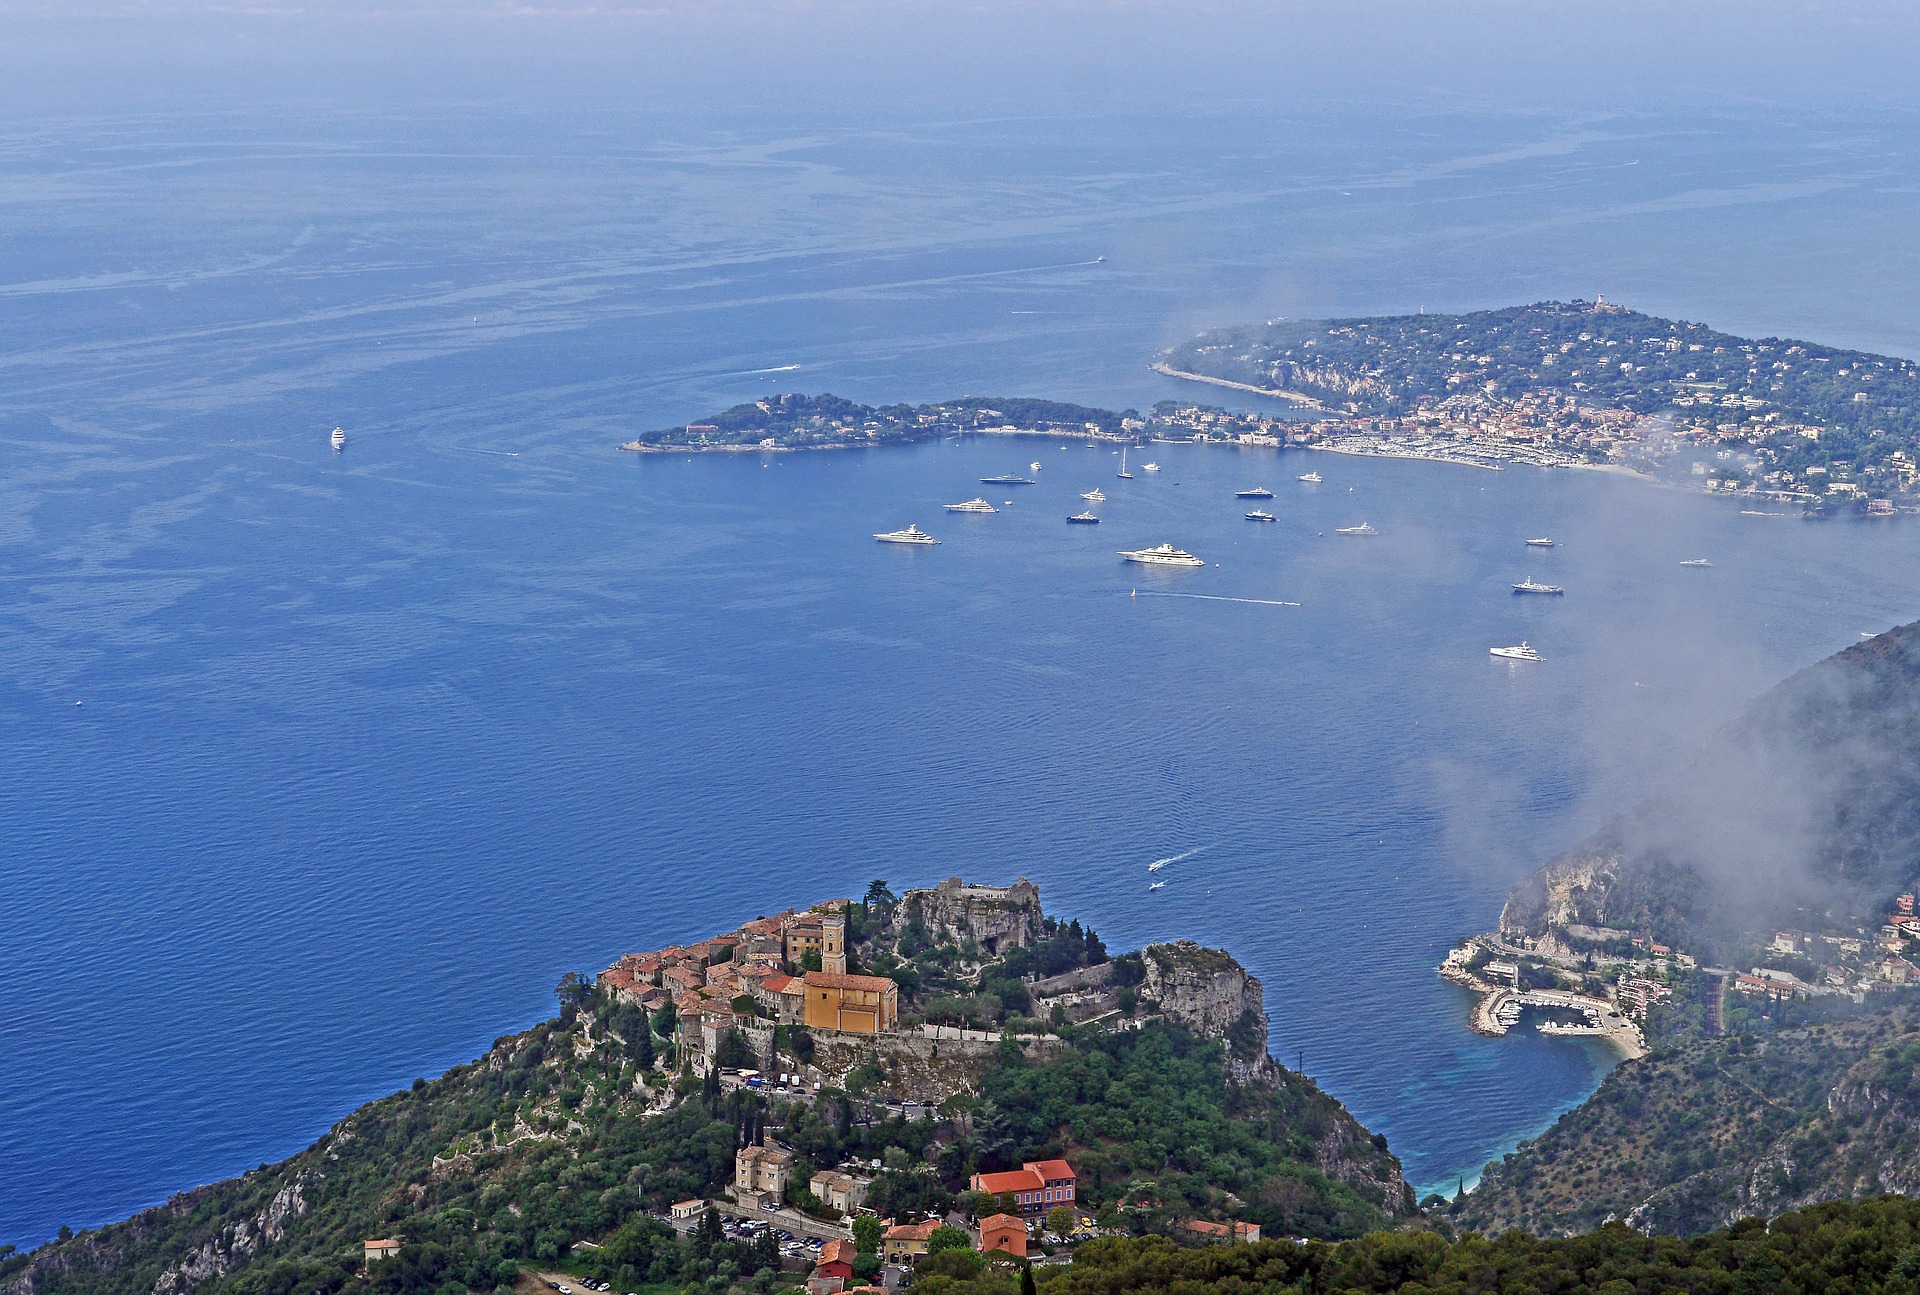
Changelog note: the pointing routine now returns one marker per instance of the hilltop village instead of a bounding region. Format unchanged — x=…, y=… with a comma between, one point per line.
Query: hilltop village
x=1625, y=987
x=909, y=1002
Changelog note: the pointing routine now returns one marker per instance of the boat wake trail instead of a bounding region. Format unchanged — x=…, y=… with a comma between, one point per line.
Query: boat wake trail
x=1214, y=598
x=1158, y=864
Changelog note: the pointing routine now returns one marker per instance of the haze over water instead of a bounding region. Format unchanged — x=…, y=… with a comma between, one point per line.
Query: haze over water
x=374, y=746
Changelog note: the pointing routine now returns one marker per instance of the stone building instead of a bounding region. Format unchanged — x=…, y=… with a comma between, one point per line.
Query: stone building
x=760, y=1174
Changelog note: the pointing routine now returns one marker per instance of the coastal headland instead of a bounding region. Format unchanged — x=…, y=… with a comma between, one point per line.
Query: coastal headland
x=1586, y=385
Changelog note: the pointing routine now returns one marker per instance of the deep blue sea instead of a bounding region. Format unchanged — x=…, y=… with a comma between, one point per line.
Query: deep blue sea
x=318, y=770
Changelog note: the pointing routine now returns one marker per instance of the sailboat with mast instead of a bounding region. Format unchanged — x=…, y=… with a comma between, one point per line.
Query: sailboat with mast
x=1123, y=465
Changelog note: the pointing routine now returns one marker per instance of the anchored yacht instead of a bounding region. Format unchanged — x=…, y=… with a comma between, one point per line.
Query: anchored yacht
x=1149, y=467
x=339, y=439
x=1162, y=555
x=1258, y=492
x=912, y=535
x=1314, y=477
x=1542, y=543
x=1523, y=651
x=972, y=506
x=1361, y=529
x=1085, y=519
x=1530, y=586
x=1261, y=515
x=1696, y=562
x=1095, y=496
x=1123, y=466
x=1007, y=479
x=1033, y=467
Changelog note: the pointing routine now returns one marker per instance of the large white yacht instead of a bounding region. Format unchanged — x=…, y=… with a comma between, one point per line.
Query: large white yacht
x=972, y=506
x=1696, y=562
x=1313, y=477
x=1095, y=496
x=1542, y=543
x=1361, y=529
x=1532, y=586
x=1162, y=555
x=1523, y=651
x=1149, y=467
x=339, y=439
x=912, y=535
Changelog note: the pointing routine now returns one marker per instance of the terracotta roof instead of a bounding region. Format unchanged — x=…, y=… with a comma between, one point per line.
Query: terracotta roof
x=837, y=1252
x=1051, y=1168
x=1012, y=1180
x=839, y=980
x=912, y=1231
x=1205, y=1228
x=780, y=984
x=1002, y=1221
x=381, y=1245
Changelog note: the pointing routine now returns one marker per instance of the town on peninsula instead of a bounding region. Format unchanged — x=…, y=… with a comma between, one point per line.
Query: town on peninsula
x=1818, y=429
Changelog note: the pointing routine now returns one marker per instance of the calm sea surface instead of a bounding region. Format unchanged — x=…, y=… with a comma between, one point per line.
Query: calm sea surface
x=317, y=770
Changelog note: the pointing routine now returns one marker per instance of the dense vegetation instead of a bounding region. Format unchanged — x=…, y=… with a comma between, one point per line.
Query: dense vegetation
x=1157, y=1134
x=799, y=421
x=1869, y=1248
x=1695, y=1137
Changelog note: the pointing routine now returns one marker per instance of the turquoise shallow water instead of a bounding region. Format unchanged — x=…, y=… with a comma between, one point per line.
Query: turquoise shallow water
x=372, y=747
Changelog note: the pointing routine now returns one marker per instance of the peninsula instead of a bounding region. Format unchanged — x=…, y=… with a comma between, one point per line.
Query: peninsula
x=1556, y=385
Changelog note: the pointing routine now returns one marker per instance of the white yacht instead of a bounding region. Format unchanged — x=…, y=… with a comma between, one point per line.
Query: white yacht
x=1314, y=477
x=1532, y=586
x=339, y=439
x=912, y=535
x=1361, y=529
x=1261, y=515
x=1155, y=885
x=1095, y=496
x=1033, y=467
x=1696, y=562
x=1088, y=518
x=1162, y=555
x=1149, y=467
x=972, y=506
x=1542, y=543
x=1523, y=651
x=1258, y=492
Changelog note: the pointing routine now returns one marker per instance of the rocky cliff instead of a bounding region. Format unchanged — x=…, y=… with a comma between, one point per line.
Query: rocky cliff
x=992, y=919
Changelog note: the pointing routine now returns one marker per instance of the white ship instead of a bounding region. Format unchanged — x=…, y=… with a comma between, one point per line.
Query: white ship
x=1361, y=529
x=1258, y=492
x=1530, y=586
x=1696, y=562
x=1149, y=467
x=1095, y=496
x=1523, y=651
x=1162, y=555
x=1261, y=515
x=972, y=506
x=1033, y=467
x=1314, y=477
x=912, y=535
x=1088, y=518
x=1156, y=885
x=1542, y=543
x=339, y=439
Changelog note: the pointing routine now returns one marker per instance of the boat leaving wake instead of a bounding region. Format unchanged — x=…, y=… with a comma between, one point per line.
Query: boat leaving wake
x=1214, y=598
x=1158, y=864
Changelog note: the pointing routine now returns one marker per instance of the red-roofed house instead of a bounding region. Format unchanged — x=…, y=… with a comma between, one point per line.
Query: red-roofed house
x=836, y=1260
x=1038, y=1185
x=1201, y=1228
x=907, y=1241
x=1005, y=1233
